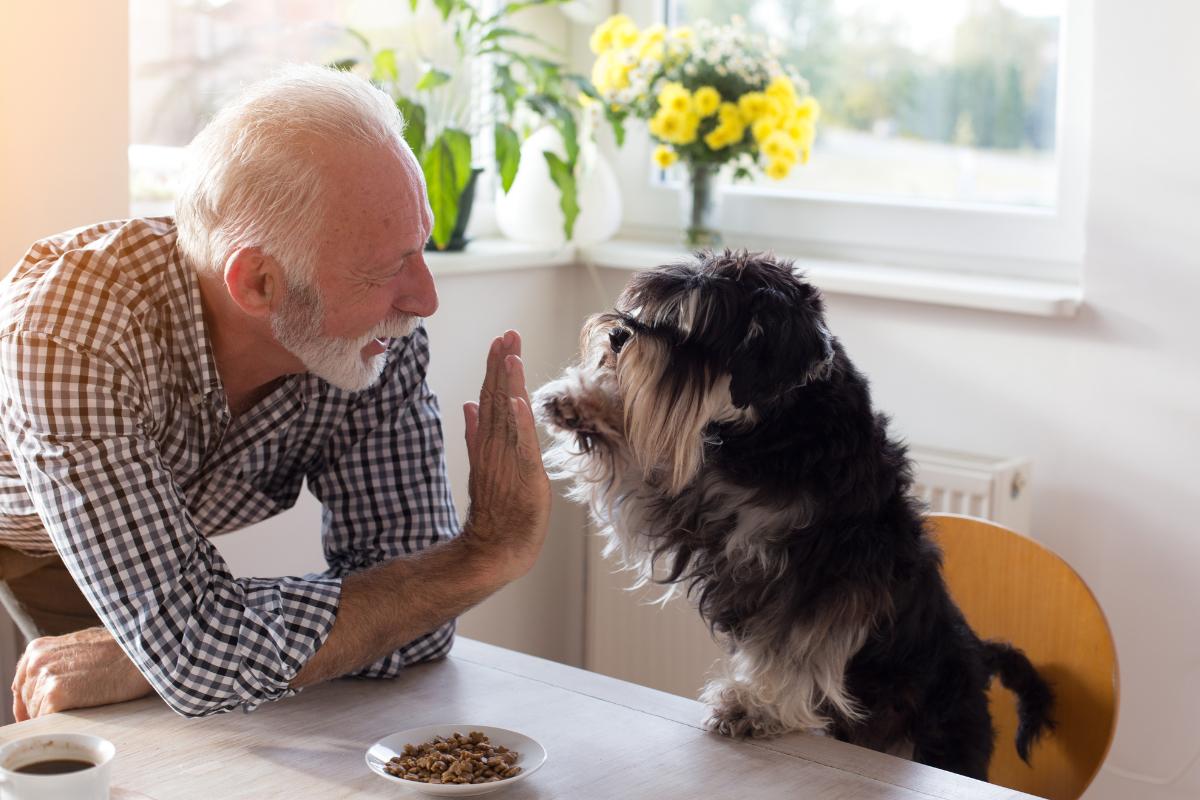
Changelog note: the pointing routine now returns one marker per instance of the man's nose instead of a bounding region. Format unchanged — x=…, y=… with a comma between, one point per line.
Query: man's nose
x=418, y=295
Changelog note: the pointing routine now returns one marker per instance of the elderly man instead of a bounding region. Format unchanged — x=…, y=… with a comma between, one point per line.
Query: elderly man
x=163, y=381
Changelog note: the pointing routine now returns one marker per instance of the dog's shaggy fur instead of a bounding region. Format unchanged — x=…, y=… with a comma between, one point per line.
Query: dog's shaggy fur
x=726, y=444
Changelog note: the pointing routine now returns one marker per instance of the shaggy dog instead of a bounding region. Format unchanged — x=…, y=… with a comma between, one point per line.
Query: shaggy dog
x=726, y=444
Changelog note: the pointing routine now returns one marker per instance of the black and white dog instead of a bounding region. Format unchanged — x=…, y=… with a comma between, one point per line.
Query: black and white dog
x=726, y=444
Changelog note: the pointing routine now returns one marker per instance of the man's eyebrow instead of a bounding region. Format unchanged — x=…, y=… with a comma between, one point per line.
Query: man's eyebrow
x=398, y=262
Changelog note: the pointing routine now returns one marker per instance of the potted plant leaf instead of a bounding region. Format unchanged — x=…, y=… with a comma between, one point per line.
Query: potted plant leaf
x=442, y=124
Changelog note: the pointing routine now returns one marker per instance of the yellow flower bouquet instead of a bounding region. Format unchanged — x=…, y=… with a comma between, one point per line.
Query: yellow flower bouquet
x=711, y=96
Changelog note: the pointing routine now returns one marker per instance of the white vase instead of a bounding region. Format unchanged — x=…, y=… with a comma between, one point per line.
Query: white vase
x=530, y=211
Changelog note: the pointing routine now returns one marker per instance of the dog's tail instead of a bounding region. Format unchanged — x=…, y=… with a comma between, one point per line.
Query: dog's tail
x=1035, y=698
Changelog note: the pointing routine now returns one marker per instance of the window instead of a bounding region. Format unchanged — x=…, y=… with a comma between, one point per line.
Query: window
x=952, y=131
x=189, y=57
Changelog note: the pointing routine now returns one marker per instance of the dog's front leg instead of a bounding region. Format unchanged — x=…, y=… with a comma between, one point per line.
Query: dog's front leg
x=737, y=710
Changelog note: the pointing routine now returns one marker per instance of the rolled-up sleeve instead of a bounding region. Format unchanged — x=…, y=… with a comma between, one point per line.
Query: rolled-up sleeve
x=383, y=487
x=75, y=424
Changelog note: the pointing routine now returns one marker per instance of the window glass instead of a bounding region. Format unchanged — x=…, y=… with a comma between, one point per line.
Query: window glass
x=940, y=101
x=189, y=57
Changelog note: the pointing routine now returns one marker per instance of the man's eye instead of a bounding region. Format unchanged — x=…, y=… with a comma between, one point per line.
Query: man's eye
x=617, y=338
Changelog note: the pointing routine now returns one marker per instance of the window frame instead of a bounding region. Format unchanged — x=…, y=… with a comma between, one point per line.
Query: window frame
x=974, y=238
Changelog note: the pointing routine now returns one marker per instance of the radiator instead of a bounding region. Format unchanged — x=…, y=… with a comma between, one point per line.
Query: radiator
x=668, y=647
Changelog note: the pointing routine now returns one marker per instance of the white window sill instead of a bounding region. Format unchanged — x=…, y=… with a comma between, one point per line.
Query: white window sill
x=1013, y=295
x=940, y=287
x=499, y=255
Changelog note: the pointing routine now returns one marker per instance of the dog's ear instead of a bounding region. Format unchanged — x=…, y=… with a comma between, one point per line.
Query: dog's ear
x=669, y=399
x=785, y=345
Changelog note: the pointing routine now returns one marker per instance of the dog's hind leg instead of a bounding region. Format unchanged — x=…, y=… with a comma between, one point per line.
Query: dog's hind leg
x=959, y=739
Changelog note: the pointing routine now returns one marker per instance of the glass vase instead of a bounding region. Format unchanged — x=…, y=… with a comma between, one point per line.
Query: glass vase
x=700, y=207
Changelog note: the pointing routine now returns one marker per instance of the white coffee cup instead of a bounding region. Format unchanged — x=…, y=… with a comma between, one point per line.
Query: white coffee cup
x=90, y=783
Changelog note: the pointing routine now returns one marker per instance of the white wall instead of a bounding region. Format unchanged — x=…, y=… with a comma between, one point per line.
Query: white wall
x=64, y=111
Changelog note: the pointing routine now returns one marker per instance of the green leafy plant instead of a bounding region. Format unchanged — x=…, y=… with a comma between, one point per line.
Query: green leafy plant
x=527, y=86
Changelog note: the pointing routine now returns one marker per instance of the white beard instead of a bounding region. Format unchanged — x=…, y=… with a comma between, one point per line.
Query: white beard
x=338, y=360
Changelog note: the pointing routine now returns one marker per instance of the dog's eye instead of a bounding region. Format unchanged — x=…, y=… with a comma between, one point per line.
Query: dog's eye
x=617, y=338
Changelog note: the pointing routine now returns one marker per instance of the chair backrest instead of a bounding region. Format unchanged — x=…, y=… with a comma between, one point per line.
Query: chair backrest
x=1012, y=588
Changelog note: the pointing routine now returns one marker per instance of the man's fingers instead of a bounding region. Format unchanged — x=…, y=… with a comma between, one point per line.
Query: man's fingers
x=471, y=432
x=515, y=375
x=487, y=388
x=528, y=449
x=495, y=358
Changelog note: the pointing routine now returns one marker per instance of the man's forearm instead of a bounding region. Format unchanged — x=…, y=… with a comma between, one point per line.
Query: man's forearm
x=385, y=607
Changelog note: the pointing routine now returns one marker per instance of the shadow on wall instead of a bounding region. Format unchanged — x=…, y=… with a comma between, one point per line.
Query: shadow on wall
x=11, y=647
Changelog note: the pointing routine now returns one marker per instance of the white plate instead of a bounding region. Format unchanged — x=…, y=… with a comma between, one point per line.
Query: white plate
x=532, y=755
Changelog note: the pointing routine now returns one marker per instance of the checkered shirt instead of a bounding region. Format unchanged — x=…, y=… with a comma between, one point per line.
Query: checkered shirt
x=119, y=452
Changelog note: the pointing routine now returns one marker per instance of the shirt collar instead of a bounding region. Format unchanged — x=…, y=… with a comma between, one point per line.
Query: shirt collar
x=206, y=379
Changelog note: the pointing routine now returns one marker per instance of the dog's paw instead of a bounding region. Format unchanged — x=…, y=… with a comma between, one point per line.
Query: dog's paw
x=731, y=721
x=558, y=410
x=736, y=722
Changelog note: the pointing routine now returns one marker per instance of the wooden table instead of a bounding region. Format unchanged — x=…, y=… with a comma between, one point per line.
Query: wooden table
x=606, y=739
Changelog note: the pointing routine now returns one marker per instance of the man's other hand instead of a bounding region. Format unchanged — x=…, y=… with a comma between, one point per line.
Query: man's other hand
x=79, y=670
x=510, y=493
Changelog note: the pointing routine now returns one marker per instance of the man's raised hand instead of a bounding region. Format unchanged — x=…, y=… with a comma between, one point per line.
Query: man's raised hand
x=509, y=490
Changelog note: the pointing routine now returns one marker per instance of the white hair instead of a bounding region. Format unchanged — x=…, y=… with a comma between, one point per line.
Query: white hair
x=253, y=177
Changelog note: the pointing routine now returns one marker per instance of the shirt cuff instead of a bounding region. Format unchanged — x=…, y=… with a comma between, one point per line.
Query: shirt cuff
x=306, y=608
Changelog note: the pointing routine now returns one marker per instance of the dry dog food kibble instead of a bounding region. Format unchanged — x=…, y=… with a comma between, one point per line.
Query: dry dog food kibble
x=455, y=759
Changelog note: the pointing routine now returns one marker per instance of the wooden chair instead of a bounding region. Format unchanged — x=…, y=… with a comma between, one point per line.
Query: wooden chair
x=1012, y=588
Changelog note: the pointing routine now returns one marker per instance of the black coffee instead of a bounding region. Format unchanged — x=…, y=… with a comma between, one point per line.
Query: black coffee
x=55, y=766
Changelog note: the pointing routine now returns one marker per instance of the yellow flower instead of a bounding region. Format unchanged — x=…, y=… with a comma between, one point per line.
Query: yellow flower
x=610, y=73
x=670, y=127
x=600, y=74
x=690, y=128
x=675, y=128
x=717, y=139
x=779, y=147
x=707, y=100
x=808, y=109
x=801, y=131
x=601, y=40
x=626, y=34
x=650, y=44
x=619, y=75
x=613, y=32
x=656, y=125
x=778, y=170
x=763, y=128
x=665, y=156
x=673, y=97
x=782, y=89
x=684, y=34
x=728, y=113
x=752, y=105
x=773, y=110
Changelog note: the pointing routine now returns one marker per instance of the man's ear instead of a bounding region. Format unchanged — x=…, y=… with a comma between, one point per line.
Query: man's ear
x=254, y=281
